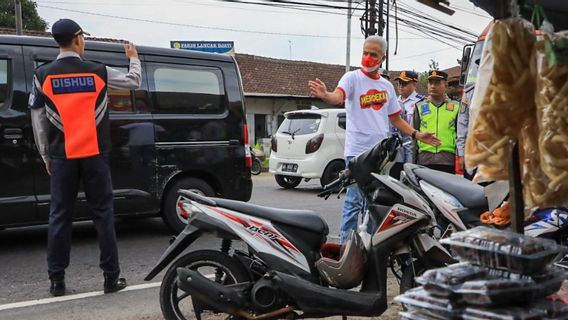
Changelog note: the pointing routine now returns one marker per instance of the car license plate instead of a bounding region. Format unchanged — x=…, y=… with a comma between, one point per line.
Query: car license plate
x=289, y=167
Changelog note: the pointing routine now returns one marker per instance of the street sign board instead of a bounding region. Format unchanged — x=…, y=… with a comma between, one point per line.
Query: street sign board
x=223, y=47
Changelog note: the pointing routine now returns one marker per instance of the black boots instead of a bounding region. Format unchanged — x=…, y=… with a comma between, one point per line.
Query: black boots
x=57, y=288
x=113, y=283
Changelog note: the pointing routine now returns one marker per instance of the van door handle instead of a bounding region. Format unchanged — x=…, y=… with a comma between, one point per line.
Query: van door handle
x=234, y=142
x=13, y=133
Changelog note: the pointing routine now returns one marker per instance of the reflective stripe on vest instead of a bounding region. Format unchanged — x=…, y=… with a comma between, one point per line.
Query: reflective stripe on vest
x=75, y=98
x=442, y=122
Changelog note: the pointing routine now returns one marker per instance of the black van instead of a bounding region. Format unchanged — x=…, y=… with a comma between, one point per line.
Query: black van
x=184, y=128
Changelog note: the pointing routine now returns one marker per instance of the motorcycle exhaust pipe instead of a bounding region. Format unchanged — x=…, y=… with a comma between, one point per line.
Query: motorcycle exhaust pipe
x=230, y=299
x=223, y=298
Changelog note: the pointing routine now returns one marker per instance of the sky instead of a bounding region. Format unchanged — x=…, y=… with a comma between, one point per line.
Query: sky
x=264, y=30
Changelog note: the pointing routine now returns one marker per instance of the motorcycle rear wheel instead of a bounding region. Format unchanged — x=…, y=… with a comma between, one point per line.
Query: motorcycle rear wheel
x=256, y=167
x=220, y=267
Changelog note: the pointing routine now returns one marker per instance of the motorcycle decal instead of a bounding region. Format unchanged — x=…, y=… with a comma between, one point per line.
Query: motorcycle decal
x=445, y=202
x=260, y=235
x=546, y=223
x=396, y=217
x=399, y=218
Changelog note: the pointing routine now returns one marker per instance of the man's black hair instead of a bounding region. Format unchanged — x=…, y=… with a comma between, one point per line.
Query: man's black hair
x=64, y=42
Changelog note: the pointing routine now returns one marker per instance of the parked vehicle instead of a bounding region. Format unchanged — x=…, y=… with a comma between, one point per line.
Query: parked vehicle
x=458, y=203
x=184, y=128
x=286, y=266
x=308, y=145
x=256, y=167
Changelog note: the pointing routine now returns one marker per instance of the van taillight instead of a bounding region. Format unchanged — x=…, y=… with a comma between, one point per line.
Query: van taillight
x=248, y=156
x=274, y=144
x=314, y=143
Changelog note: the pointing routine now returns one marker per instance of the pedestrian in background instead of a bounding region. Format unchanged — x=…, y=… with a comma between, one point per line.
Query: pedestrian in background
x=370, y=104
x=437, y=114
x=406, y=83
x=463, y=129
x=72, y=131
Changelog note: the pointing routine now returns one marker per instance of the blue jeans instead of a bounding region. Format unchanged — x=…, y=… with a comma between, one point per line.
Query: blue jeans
x=353, y=205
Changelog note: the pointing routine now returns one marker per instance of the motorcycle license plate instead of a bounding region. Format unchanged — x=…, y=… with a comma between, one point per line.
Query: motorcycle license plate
x=289, y=167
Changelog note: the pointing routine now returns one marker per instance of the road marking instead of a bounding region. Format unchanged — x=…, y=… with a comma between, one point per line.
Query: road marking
x=38, y=302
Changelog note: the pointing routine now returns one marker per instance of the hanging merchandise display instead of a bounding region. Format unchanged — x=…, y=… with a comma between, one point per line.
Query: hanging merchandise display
x=506, y=101
x=552, y=115
x=502, y=275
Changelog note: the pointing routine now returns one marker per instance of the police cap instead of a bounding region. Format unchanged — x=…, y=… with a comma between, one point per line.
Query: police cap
x=407, y=76
x=437, y=75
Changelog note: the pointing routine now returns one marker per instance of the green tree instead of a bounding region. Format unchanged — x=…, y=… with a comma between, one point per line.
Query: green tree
x=433, y=65
x=30, y=18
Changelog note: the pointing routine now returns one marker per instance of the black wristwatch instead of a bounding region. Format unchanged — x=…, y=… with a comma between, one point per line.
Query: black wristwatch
x=413, y=135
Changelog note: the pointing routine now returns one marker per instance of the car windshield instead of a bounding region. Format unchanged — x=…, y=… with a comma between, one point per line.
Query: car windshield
x=299, y=124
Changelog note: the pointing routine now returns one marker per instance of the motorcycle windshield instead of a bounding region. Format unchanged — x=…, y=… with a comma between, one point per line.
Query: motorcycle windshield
x=361, y=166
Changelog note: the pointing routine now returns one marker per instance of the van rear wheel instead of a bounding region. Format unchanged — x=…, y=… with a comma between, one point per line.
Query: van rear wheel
x=287, y=182
x=174, y=217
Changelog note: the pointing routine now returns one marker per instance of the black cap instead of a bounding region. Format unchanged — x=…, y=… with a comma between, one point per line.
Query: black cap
x=407, y=76
x=437, y=75
x=66, y=29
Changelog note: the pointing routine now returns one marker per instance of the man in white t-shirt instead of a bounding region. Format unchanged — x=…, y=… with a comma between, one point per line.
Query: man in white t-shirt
x=371, y=104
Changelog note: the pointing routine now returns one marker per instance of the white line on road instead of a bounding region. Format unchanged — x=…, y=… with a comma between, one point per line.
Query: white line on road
x=38, y=302
x=31, y=303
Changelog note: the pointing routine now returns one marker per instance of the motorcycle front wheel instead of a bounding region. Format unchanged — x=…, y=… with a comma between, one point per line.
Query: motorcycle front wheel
x=177, y=304
x=407, y=280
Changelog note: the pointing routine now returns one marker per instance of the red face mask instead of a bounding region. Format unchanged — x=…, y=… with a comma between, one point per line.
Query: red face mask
x=369, y=63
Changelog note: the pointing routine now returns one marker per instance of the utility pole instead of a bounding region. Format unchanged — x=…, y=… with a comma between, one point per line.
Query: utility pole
x=373, y=18
x=388, y=40
x=348, y=43
x=19, y=29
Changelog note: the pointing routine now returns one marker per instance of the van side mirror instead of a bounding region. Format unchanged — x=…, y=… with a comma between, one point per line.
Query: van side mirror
x=466, y=56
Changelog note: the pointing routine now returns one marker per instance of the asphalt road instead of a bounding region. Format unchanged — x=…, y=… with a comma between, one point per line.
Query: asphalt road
x=23, y=277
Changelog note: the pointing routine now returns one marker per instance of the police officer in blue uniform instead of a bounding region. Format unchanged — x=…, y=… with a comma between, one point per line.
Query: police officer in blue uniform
x=406, y=83
x=72, y=131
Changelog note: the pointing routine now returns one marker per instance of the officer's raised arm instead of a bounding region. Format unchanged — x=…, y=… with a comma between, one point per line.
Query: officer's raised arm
x=132, y=79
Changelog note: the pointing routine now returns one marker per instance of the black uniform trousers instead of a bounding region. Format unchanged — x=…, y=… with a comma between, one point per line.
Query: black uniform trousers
x=66, y=174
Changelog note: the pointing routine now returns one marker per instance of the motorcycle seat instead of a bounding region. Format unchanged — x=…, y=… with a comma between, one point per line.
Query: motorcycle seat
x=469, y=194
x=303, y=219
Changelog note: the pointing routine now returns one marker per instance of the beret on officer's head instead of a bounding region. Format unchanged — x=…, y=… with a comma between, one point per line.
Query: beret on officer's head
x=437, y=75
x=66, y=29
x=407, y=76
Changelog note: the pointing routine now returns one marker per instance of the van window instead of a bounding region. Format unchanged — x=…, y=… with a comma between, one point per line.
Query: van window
x=4, y=93
x=186, y=89
x=299, y=124
x=119, y=100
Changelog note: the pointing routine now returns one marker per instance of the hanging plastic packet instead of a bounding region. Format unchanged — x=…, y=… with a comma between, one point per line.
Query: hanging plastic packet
x=503, y=98
x=552, y=115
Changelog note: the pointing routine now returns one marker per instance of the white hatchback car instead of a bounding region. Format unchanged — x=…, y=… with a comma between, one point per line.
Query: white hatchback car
x=308, y=145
